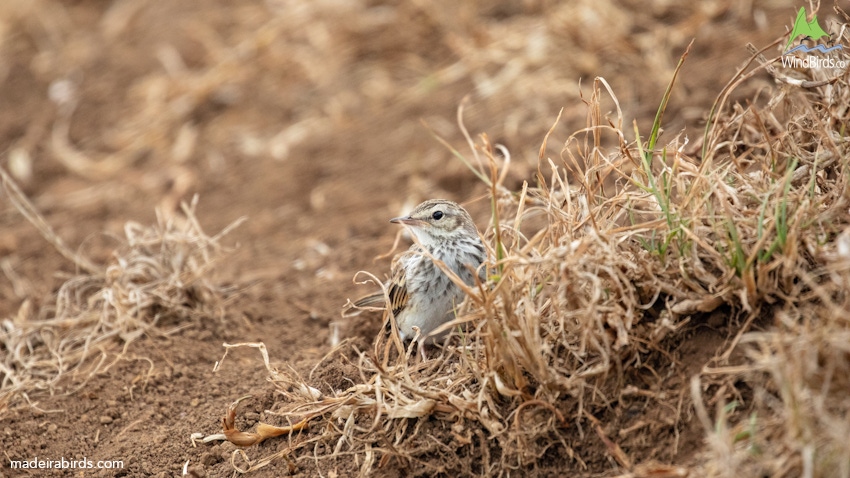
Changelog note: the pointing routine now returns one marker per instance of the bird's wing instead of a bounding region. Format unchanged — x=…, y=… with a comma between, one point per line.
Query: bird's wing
x=398, y=284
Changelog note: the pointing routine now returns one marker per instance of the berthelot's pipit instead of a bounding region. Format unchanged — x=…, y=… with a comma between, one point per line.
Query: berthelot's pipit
x=420, y=293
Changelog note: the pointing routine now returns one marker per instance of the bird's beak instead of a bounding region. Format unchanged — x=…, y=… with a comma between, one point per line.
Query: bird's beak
x=407, y=220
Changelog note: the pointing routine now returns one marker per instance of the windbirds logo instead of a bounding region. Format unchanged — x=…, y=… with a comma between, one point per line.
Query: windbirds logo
x=809, y=29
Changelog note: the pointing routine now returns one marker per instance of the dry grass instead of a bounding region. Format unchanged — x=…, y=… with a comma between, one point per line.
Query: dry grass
x=158, y=282
x=598, y=268
x=614, y=250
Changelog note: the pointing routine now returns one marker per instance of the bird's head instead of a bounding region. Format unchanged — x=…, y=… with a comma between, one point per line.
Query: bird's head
x=437, y=221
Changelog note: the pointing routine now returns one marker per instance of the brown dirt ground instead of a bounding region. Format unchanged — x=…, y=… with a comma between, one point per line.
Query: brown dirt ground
x=368, y=74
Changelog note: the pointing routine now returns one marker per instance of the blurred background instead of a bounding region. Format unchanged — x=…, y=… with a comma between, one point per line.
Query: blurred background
x=312, y=119
x=304, y=114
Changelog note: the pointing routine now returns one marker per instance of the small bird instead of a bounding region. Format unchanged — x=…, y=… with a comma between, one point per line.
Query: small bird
x=421, y=294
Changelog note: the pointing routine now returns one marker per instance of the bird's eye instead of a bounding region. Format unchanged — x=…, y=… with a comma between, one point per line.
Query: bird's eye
x=437, y=215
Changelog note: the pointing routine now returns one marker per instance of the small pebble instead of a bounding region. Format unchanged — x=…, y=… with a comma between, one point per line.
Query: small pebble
x=52, y=428
x=197, y=471
x=209, y=459
x=105, y=419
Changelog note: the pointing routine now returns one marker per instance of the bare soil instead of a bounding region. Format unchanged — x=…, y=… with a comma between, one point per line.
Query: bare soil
x=360, y=80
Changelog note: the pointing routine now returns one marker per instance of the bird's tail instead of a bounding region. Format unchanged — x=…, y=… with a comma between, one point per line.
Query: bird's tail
x=374, y=301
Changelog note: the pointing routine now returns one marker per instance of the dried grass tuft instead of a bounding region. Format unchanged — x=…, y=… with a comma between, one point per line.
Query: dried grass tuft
x=791, y=209
x=598, y=268
x=157, y=283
